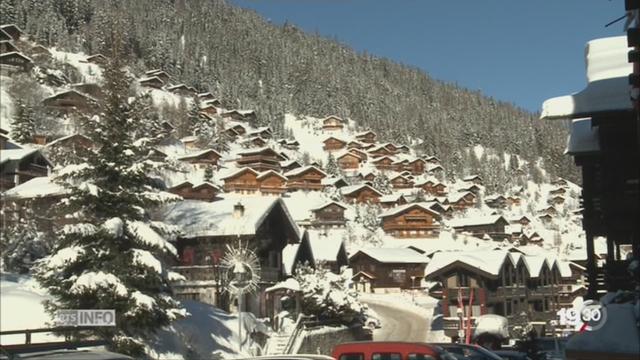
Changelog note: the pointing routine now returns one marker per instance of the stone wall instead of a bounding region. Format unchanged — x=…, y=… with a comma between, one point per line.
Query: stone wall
x=321, y=340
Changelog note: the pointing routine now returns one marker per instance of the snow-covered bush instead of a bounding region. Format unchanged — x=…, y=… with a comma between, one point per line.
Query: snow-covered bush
x=326, y=295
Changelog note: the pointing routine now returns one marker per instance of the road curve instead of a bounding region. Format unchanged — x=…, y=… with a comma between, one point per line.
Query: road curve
x=398, y=324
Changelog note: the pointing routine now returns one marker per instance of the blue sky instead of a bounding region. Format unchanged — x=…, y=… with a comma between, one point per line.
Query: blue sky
x=520, y=51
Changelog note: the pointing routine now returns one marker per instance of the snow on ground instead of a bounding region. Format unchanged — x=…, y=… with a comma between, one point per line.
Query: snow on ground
x=207, y=331
x=6, y=104
x=91, y=73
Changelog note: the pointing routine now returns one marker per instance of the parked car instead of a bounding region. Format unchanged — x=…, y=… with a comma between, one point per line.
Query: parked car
x=512, y=355
x=389, y=350
x=292, y=357
x=69, y=355
x=468, y=351
x=372, y=319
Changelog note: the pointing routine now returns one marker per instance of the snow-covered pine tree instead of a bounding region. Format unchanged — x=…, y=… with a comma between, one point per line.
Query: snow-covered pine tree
x=23, y=127
x=381, y=183
x=221, y=141
x=208, y=173
x=22, y=242
x=110, y=255
x=332, y=166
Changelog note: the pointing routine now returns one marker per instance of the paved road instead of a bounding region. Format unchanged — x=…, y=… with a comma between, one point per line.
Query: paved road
x=399, y=324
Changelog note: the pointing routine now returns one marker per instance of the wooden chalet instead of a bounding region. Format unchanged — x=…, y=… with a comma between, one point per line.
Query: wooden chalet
x=411, y=221
x=261, y=224
x=4, y=139
x=545, y=218
x=237, y=129
x=255, y=141
x=182, y=89
x=328, y=215
x=12, y=30
x=383, y=163
x=209, y=109
x=204, y=158
x=265, y=132
x=503, y=283
x=69, y=101
x=461, y=200
x=291, y=145
x=354, y=144
x=7, y=47
x=399, y=165
x=204, y=191
x=434, y=169
x=493, y=226
x=190, y=142
x=444, y=210
x=513, y=200
x=366, y=137
x=496, y=201
x=333, y=144
x=92, y=89
x=401, y=182
x=289, y=165
x=549, y=210
x=272, y=183
x=97, y=59
x=12, y=62
x=474, y=179
x=556, y=200
x=380, y=269
x=335, y=182
x=380, y=151
x=328, y=249
x=307, y=178
x=39, y=51
x=392, y=200
x=20, y=165
x=75, y=143
x=522, y=220
x=152, y=82
x=261, y=159
x=208, y=97
x=360, y=194
x=432, y=186
x=160, y=74
x=240, y=115
x=249, y=181
x=404, y=149
x=432, y=160
x=416, y=166
x=473, y=188
x=360, y=153
x=332, y=123
x=558, y=191
x=348, y=160
x=366, y=175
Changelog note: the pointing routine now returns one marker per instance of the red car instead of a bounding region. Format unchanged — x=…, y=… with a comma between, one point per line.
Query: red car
x=388, y=350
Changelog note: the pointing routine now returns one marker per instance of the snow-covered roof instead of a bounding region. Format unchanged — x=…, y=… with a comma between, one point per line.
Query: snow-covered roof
x=198, y=153
x=488, y=261
x=238, y=172
x=329, y=203
x=16, y=53
x=301, y=170
x=149, y=78
x=607, y=88
x=270, y=172
x=493, y=324
x=391, y=198
x=471, y=178
x=583, y=138
x=347, y=190
x=454, y=197
x=394, y=255
x=191, y=138
x=289, y=254
x=325, y=246
x=475, y=221
x=41, y=186
x=15, y=154
x=200, y=218
x=402, y=208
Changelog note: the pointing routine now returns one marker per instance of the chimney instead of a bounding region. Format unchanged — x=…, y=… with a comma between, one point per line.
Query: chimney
x=238, y=210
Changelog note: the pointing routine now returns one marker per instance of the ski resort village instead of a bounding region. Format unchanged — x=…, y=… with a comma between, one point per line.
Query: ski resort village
x=213, y=233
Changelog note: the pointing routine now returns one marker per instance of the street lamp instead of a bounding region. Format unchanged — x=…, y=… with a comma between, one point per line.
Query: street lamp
x=413, y=289
x=460, y=313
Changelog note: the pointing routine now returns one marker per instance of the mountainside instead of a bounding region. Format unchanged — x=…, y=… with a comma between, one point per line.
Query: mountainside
x=250, y=63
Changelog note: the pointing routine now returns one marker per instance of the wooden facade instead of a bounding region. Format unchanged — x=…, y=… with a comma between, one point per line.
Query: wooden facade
x=21, y=165
x=208, y=157
x=401, y=182
x=493, y=226
x=182, y=89
x=411, y=220
x=204, y=191
x=383, y=163
x=348, y=161
x=7, y=47
x=209, y=110
x=361, y=194
x=272, y=183
x=98, y=59
x=390, y=201
x=240, y=115
x=262, y=159
x=12, y=30
x=69, y=101
x=333, y=144
x=305, y=178
x=160, y=74
x=11, y=62
x=461, y=201
x=329, y=215
x=432, y=187
x=249, y=181
x=388, y=274
x=332, y=123
x=379, y=151
x=366, y=137
x=416, y=167
x=152, y=82
x=360, y=153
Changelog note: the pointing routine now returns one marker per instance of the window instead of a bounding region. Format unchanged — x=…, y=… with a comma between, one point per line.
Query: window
x=352, y=357
x=188, y=255
x=386, y=356
x=463, y=280
x=398, y=275
x=420, y=357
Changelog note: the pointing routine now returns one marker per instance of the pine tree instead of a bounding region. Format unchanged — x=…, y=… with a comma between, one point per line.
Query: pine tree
x=208, y=173
x=381, y=183
x=23, y=127
x=332, y=166
x=22, y=242
x=113, y=256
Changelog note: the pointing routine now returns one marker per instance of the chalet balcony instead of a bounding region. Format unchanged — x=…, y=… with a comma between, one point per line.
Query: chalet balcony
x=258, y=159
x=411, y=227
x=272, y=189
x=241, y=188
x=452, y=293
x=510, y=291
x=304, y=186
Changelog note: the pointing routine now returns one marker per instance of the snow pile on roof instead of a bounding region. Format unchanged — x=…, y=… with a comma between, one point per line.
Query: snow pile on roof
x=394, y=255
x=607, y=83
x=492, y=324
x=326, y=245
x=583, y=138
x=289, y=254
x=474, y=221
x=37, y=187
x=15, y=154
x=301, y=203
x=400, y=209
x=199, y=218
x=489, y=261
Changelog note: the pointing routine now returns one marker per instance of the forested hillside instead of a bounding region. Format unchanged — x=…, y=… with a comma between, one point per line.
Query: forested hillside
x=250, y=63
